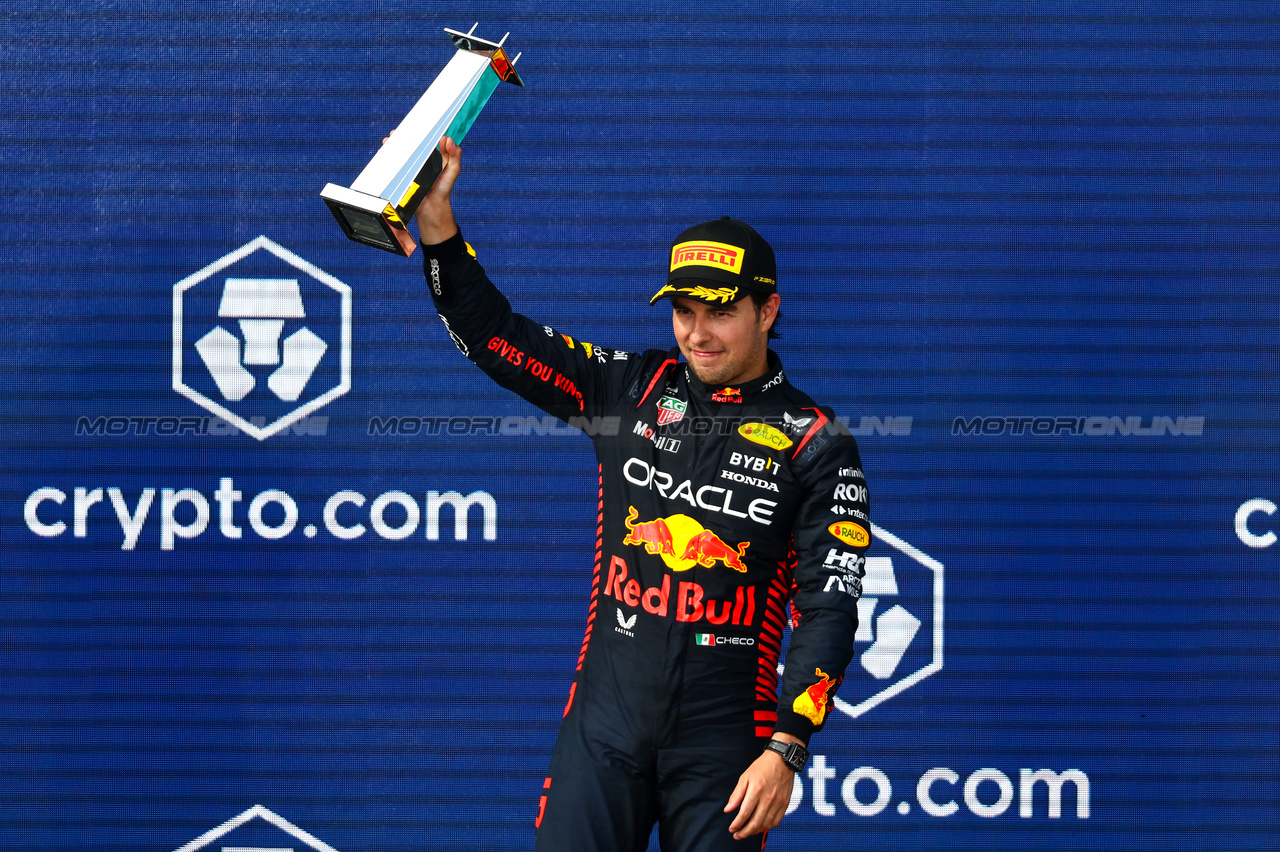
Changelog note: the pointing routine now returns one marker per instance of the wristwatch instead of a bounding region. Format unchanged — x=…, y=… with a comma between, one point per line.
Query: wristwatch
x=794, y=755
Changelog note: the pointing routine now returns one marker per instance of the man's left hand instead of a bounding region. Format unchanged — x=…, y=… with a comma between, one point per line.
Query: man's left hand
x=762, y=795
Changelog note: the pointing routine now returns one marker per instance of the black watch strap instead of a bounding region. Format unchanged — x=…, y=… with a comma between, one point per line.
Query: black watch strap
x=794, y=755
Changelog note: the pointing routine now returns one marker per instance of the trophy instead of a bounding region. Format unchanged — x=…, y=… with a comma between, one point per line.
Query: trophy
x=376, y=209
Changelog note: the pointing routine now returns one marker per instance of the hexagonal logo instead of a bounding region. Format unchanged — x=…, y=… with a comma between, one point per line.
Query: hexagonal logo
x=899, y=638
x=261, y=337
x=256, y=830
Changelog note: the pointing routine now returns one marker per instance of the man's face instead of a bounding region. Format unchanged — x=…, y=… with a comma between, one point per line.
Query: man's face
x=724, y=344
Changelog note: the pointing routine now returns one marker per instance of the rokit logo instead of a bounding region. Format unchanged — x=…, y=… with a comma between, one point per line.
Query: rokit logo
x=256, y=830
x=899, y=637
x=261, y=337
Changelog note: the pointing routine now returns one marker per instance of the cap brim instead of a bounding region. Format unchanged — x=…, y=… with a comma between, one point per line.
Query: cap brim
x=700, y=290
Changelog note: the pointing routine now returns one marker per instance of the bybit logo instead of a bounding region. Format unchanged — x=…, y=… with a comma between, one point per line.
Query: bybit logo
x=242, y=365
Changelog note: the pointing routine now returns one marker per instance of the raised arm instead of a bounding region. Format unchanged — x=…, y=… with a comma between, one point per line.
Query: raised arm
x=435, y=214
x=568, y=378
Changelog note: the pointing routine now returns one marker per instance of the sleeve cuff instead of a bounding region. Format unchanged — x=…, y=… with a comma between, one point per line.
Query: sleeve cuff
x=451, y=249
x=790, y=722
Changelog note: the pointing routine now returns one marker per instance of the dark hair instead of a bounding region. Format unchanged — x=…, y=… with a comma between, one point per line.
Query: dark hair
x=758, y=299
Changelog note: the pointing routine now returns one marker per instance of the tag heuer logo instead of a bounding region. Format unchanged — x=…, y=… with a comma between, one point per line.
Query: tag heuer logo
x=670, y=410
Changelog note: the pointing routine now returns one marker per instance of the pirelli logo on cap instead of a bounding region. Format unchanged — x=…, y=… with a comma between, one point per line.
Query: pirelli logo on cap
x=707, y=253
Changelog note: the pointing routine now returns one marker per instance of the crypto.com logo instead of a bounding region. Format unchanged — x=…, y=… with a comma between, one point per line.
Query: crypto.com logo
x=899, y=638
x=265, y=344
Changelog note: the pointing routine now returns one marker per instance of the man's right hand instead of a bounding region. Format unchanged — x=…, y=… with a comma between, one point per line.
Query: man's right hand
x=435, y=214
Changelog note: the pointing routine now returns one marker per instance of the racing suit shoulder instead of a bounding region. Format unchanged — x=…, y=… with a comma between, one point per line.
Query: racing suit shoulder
x=569, y=378
x=830, y=536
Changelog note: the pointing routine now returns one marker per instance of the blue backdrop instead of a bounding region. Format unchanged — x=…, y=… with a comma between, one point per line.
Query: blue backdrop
x=1027, y=250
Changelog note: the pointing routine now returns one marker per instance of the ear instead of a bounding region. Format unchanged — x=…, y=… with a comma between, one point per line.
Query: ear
x=769, y=311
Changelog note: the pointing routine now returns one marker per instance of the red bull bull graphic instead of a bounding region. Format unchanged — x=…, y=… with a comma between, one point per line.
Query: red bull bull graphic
x=682, y=542
x=655, y=535
x=706, y=548
x=815, y=701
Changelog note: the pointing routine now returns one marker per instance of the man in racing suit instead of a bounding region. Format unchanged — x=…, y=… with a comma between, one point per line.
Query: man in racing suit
x=725, y=494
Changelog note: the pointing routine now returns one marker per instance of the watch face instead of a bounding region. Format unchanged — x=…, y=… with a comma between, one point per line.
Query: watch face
x=794, y=755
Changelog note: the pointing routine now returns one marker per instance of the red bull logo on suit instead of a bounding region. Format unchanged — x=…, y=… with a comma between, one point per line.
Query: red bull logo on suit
x=691, y=601
x=706, y=548
x=815, y=701
x=682, y=542
x=655, y=535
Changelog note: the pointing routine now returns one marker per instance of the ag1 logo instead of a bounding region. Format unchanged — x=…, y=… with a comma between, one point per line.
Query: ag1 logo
x=261, y=337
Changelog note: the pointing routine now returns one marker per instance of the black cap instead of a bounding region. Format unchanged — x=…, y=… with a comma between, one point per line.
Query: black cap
x=720, y=262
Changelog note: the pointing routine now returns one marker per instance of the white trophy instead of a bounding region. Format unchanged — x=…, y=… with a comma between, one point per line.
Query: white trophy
x=377, y=207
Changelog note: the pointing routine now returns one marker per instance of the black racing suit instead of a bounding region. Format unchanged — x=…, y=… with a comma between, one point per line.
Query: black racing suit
x=717, y=506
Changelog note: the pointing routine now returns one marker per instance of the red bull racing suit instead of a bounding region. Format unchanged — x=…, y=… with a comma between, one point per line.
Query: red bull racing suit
x=725, y=514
